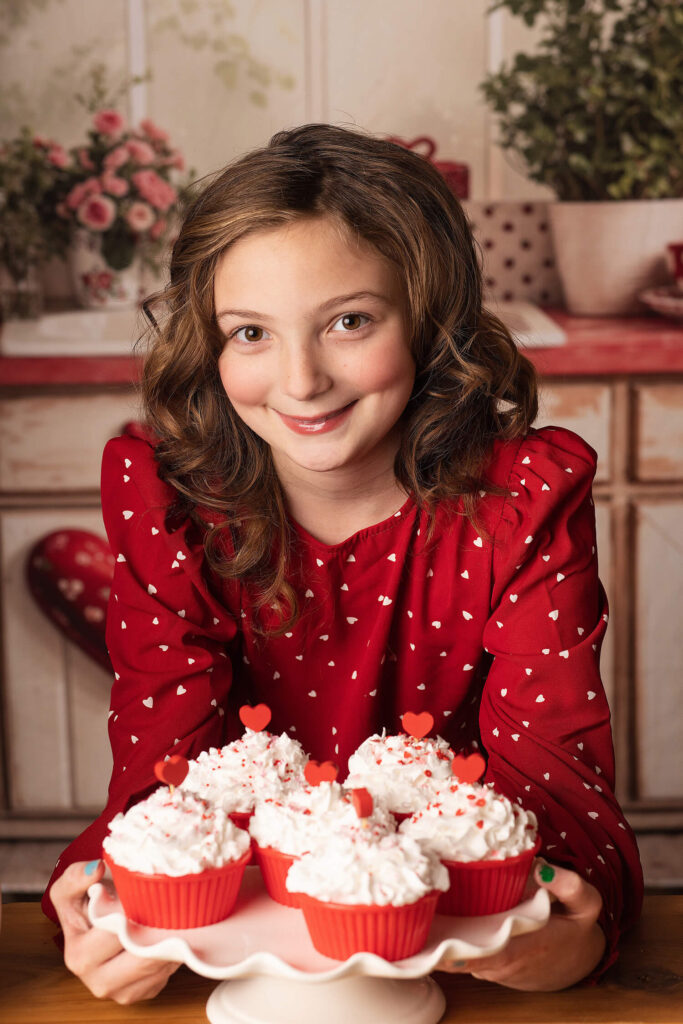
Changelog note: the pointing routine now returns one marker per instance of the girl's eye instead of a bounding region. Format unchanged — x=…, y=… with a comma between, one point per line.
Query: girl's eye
x=350, y=322
x=253, y=333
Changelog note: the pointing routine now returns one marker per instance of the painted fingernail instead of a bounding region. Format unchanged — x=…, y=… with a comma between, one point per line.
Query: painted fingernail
x=546, y=873
x=91, y=867
x=459, y=963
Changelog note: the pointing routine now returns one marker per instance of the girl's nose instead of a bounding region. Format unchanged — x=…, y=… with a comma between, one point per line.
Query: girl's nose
x=302, y=372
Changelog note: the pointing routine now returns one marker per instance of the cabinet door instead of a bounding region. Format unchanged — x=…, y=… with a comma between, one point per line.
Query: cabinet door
x=659, y=432
x=659, y=653
x=56, y=699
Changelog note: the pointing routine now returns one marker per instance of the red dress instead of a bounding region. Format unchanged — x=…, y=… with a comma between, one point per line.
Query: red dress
x=497, y=636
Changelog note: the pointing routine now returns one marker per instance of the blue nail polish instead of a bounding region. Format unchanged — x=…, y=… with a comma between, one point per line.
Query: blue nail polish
x=91, y=867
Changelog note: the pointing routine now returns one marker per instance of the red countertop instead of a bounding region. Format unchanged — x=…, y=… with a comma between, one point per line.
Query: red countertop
x=596, y=347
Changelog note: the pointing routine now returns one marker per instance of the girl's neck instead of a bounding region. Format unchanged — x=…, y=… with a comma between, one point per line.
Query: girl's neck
x=332, y=507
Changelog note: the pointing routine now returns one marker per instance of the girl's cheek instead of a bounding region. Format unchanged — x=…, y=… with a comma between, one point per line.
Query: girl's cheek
x=390, y=366
x=242, y=385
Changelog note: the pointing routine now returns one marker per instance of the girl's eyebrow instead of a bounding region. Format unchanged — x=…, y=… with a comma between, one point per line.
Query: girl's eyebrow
x=321, y=309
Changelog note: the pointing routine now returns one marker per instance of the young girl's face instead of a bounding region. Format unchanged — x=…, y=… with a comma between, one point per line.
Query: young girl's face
x=316, y=365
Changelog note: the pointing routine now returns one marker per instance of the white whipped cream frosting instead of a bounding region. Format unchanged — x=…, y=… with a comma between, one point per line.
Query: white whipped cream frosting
x=472, y=822
x=389, y=870
x=259, y=764
x=400, y=771
x=301, y=819
x=174, y=834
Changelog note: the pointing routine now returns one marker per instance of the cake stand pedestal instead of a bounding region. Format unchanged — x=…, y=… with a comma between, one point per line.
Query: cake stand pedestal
x=272, y=974
x=360, y=999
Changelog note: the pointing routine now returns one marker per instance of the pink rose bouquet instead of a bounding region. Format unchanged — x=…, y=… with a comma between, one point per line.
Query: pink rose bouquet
x=124, y=187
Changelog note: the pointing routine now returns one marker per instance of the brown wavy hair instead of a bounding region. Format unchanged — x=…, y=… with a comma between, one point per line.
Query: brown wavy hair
x=472, y=385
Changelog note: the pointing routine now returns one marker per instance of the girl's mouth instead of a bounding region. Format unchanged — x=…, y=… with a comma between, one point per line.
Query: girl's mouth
x=320, y=424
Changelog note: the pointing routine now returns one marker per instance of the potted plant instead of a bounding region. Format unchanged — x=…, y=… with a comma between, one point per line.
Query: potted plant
x=596, y=114
x=34, y=177
x=120, y=206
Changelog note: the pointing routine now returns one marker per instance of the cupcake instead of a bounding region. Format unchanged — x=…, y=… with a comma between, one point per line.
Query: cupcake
x=367, y=893
x=402, y=771
x=301, y=819
x=486, y=843
x=176, y=861
x=257, y=764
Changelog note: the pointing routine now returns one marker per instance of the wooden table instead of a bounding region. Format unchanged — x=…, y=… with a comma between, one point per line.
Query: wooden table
x=644, y=987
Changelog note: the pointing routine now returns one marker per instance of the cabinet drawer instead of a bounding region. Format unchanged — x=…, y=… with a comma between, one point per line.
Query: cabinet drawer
x=659, y=432
x=584, y=408
x=55, y=442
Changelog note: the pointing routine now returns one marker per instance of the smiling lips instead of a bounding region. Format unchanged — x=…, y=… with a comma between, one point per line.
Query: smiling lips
x=320, y=425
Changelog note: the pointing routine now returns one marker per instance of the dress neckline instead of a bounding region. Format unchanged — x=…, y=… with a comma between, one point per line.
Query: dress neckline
x=366, y=531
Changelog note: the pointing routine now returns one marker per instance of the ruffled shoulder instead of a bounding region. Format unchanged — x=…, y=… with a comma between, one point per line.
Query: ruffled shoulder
x=543, y=452
x=131, y=458
x=548, y=515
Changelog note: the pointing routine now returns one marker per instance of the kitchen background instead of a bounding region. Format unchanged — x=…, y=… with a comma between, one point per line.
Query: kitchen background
x=221, y=78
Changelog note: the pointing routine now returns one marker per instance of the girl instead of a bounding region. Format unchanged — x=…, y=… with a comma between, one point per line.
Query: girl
x=340, y=508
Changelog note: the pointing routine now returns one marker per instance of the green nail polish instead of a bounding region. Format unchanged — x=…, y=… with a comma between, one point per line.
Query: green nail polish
x=91, y=867
x=547, y=873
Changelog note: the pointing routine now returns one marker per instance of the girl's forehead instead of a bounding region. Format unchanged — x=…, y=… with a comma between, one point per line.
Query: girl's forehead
x=311, y=250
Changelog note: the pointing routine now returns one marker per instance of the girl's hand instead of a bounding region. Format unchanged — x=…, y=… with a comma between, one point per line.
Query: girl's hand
x=96, y=956
x=557, y=955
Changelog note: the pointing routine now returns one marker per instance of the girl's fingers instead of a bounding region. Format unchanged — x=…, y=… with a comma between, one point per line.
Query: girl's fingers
x=579, y=898
x=127, y=978
x=146, y=989
x=87, y=951
x=69, y=895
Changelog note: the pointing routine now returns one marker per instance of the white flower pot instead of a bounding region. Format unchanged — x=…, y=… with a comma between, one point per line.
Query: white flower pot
x=608, y=252
x=97, y=285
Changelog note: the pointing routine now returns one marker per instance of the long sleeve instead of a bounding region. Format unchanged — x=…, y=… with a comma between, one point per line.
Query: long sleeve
x=167, y=637
x=544, y=718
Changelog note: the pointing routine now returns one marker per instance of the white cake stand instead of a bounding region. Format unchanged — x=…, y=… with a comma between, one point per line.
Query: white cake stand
x=271, y=973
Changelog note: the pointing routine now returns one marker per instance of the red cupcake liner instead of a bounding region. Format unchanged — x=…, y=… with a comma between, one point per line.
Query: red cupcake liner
x=481, y=887
x=402, y=816
x=242, y=819
x=339, y=930
x=274, y=867
x=184, y=901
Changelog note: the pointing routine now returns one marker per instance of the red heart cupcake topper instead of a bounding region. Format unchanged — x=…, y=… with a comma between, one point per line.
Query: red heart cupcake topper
x=417, y=725
x=315, y=773
x=256, y=718
x=362, y=802
x=172, y=771
x=468, y=769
